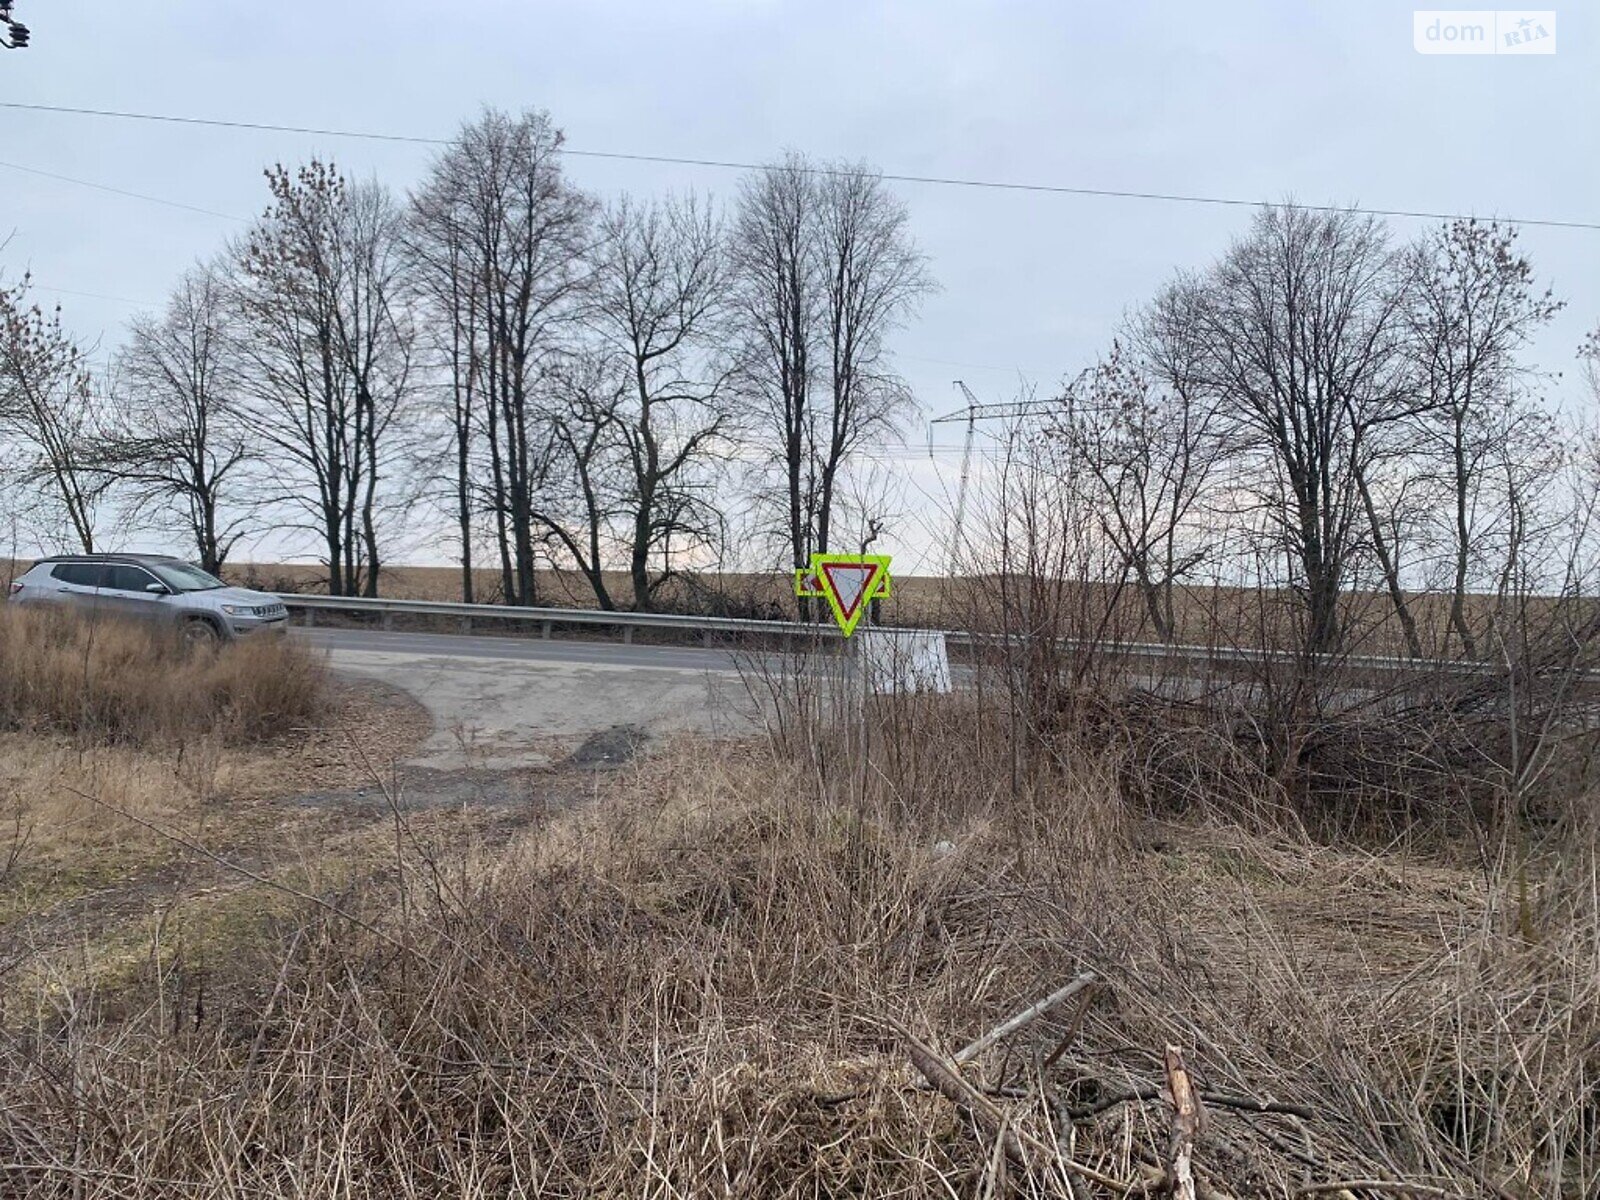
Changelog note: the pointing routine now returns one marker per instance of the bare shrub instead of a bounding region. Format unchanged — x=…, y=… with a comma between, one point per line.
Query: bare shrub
x=128, y=682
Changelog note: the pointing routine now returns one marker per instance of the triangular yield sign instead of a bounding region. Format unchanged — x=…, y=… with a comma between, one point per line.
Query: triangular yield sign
x=848, y=586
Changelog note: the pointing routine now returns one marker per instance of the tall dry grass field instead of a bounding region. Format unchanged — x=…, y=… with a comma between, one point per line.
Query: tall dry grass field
x=753, y=970
x=139, y=683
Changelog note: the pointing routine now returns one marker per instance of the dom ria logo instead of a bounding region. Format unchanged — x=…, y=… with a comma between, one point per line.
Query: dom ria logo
x=1483, y=31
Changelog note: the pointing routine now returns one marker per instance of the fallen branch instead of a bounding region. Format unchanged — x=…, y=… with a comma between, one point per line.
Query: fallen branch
x=947, y=1081
x=1024, y=1018
x=945, y=1078
x=1396, y=1186
x=1186, y=1118
x=1249, y=1104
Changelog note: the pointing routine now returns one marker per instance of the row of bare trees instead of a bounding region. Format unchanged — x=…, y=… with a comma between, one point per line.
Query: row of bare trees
x=558, y=380
x=1329, y=412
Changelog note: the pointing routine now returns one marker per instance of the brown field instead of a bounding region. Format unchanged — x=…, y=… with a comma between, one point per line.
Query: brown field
x=1206, y=616
x=1220, y=616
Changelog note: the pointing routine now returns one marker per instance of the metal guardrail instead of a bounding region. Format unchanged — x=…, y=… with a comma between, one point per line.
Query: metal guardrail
x=707, y=627
x=547, y=618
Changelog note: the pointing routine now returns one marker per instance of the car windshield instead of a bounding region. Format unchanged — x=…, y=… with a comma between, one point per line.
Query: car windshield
x=186, y=577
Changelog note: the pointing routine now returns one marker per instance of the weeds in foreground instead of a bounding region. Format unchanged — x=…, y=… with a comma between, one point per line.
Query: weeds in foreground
x=120, y=681
x=727, y=977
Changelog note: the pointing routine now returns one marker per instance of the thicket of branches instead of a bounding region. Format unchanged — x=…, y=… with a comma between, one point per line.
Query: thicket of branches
x=1345, y=425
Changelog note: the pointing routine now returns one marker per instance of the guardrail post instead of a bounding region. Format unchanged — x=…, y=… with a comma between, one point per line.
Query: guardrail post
x=466, y=624
x=544, y=630
x=707, y=638
x=627, y=635
x=311, y=615
x=388, y=620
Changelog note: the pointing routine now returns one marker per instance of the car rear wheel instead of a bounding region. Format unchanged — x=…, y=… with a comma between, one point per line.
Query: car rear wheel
x=197, y=631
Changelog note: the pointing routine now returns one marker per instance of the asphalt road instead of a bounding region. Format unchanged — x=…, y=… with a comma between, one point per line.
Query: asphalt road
x=511, y=703
x=529, y=650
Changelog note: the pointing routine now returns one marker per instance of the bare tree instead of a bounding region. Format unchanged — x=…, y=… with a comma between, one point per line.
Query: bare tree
x=1300, y=328
x=873, y=276
x=1472, y=306
x=443, y=283
x=826, y=270
x=1145, y=433
x=578, y=511
x=503, y=235
x=326, y=354
x=175, y=444
x=657, y=305
x=778, y=311
x=48, y=411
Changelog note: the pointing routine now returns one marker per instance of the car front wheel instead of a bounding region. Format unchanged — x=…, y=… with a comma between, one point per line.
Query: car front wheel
x=197, y=631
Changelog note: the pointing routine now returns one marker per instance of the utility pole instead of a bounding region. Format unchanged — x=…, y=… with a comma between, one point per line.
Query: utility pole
x=966, y=475
x=972, y=414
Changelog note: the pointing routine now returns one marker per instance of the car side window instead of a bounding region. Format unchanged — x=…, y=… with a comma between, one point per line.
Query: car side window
x=123, y=578
x=86, y=575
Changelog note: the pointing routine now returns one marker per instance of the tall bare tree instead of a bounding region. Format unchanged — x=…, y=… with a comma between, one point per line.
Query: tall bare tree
x=1472, y=305
x=503, y=235
x=442, y=282
x=48, y=411
x=579, y=508
x=326, y=354
x=175, y=443
x=778, y=307
x=1145, y=434
x=873, y=276
x=1300, y=328
x=826, y=270
x=657, y=304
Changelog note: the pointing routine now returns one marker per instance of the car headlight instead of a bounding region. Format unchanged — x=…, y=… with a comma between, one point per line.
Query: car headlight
x=238, y=610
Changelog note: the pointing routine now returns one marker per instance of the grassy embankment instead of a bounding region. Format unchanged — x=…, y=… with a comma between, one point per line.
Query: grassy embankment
x=733, y=969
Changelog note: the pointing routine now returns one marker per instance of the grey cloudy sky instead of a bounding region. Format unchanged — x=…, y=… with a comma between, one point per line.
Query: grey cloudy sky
x=1325, y=102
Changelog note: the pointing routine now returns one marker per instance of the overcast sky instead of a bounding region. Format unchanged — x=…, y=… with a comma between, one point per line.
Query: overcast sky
x=1326, y=102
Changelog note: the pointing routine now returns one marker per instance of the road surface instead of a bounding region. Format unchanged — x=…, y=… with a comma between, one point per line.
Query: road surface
x=523, y=650
x=503, y=703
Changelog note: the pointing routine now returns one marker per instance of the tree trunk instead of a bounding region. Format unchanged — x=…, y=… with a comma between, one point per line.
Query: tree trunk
x=1458, y=590
x=1390, y=569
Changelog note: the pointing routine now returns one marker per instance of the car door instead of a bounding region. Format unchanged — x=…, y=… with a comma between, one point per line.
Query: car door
x=124, y=592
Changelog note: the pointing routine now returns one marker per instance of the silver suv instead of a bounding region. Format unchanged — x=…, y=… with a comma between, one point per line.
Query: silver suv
x=151, y=587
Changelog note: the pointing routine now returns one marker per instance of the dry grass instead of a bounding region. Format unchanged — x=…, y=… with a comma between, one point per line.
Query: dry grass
x=140, y=684
x=121, y=752
x=694, y=986
x=717, y=976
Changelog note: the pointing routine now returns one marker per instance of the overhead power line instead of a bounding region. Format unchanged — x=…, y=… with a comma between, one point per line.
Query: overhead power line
x=737, y=165
x=116, y=191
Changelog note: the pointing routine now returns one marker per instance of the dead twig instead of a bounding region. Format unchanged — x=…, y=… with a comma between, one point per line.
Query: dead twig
x=1073, y=1026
